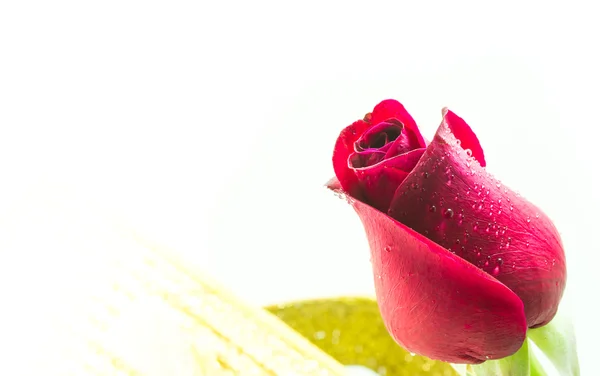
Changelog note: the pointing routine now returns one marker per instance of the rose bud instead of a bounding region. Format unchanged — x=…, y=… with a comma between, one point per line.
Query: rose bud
x=463, y=265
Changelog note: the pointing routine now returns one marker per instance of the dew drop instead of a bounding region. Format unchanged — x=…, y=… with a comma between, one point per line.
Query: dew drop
x=487, y=263
x=480, y=206
x=475, y=226
x=499, y=212
x=497, y=233
x=426, y=175
x=496, y=271
x=387, y=248
x=497, y=185
x=511, y=208
x=432, y=208
x=458, y=142
x=469, y=152
x=491, y=213
x=537, y=215
x=528, y=220
x=527, y=244
x=449, y=213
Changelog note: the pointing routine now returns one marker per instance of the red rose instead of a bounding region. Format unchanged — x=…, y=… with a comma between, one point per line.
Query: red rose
x=463, y=265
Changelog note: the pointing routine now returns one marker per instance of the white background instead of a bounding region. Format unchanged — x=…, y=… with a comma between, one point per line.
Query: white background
x=209, y=126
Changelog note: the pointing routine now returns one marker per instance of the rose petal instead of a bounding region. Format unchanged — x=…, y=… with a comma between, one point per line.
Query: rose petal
x=434, y=303
x=466, y=210
x=378, y=183
x=379, y=136
x=344, y=146
x=463, y=132
x=392, y=109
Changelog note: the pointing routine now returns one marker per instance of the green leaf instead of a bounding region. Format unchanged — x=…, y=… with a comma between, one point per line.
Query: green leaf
x=514, y=365
x=461, y=369
x=556, y=341
x=535, y=367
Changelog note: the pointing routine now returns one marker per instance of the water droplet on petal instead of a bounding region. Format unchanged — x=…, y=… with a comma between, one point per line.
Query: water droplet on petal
x=432, y=208
x=449, y=213
x=469, y=152
x=528, y=219
x=387, y=248
x=527, y=244
x=496, y=271
x=537, y=215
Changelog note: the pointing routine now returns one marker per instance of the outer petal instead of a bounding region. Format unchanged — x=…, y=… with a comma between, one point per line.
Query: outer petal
x=379, y=182
x=344, y=146
x=463, y=208
x=434, y=303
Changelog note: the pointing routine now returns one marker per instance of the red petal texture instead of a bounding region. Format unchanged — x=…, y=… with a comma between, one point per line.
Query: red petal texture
x=453, y=201
x=433, y=302
x=344, y=146
x=392, y=109
x=379, y=182
x=385, y=110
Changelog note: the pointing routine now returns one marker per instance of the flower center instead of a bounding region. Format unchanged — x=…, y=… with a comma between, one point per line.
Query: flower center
x=380, y=135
